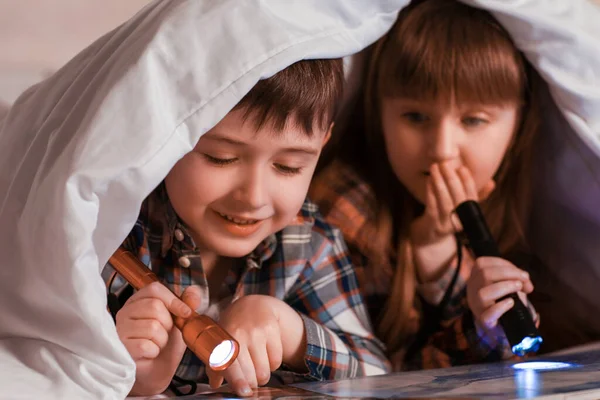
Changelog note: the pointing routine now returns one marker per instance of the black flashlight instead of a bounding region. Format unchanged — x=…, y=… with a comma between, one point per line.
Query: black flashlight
x=517, y=322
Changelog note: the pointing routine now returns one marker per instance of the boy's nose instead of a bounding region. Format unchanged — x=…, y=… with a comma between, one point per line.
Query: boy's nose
x=252, y=191
x=445, y=142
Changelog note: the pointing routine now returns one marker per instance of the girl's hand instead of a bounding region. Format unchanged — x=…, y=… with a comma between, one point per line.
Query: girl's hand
x=447, y=187
x=491, y=279
x=432, y=234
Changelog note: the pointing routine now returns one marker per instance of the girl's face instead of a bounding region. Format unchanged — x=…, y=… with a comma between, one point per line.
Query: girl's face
x=419, y=134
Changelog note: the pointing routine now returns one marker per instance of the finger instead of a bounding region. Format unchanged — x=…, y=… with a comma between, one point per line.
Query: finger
x=495, y=269
x=247, y=367
x=149, y=329
x=192, y=296
x=215, y=379
x=237, y=379
x=275, y=354
x=468, y=183
x=527, y=286
x=456, y=222
x=141, y=349
x=172, y=302
x=486, y=190
x=260, y=361
x=431, y=207
x=454, y=184
x=523, y=298
x=443, y=198
x=489, y=318
x=491, y=293
x=146, y=308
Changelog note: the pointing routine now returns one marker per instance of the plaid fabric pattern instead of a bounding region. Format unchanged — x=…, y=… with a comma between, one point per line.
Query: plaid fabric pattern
x=347, y=202
x=305, y=265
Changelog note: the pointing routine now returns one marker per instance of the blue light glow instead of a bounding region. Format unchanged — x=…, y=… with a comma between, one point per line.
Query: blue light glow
x=543, y=365
x=527, y=344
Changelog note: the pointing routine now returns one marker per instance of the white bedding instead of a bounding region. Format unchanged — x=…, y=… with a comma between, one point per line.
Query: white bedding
x=74, y=168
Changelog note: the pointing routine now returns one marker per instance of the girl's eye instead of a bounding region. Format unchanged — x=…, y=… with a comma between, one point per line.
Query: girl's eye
x=415, y=117
x=474, y=121
x=284, y=169
x=219, y=161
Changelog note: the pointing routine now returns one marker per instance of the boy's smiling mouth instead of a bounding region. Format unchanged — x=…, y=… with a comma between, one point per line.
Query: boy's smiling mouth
x=238, y=226
x=238, y=221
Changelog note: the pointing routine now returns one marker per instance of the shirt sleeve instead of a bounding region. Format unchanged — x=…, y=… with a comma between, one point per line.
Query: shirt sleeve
x=340, y=340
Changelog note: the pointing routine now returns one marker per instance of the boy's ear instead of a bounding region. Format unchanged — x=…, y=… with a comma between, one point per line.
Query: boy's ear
x=328, y=134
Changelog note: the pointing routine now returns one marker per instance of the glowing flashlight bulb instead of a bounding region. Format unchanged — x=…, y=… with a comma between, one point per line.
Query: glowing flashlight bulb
x=222, y=354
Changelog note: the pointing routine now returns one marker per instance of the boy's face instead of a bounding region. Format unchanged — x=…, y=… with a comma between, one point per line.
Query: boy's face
x=240, y=185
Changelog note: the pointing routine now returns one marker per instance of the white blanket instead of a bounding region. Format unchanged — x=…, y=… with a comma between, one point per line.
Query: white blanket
x=80, y=151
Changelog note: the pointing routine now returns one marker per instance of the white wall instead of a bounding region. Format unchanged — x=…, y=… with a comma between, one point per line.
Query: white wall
x=38, y=36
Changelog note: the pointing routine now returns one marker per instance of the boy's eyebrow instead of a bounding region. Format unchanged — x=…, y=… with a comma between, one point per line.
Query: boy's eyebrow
x=225, y=139
x=306, y=150
x=297, y=149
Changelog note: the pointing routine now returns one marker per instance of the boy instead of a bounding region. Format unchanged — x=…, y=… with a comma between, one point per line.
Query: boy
x=231, y=231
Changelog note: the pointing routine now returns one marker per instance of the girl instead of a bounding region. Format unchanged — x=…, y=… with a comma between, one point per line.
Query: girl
x=448, y=113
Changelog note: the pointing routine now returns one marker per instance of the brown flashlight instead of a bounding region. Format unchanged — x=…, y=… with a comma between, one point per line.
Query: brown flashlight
x=211, y=343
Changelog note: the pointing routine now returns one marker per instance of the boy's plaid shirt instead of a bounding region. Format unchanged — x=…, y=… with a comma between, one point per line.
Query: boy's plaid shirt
x=306, y=265
x=347, y=202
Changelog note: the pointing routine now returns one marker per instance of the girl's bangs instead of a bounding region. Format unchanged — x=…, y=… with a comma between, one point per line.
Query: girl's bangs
x=446, y=50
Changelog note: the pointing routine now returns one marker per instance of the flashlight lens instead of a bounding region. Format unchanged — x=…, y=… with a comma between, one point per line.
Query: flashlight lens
x=527, y=344
x=222, y=354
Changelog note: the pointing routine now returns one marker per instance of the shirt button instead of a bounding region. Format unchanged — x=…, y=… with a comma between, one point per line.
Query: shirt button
x=179, y=235
x=184, y=262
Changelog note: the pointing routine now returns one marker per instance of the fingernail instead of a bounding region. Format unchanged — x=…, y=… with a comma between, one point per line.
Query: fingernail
x=245, y=391
x=525, y=275
x=518, y=284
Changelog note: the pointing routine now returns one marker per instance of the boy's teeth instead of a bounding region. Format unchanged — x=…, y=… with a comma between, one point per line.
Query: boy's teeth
x=238, y=221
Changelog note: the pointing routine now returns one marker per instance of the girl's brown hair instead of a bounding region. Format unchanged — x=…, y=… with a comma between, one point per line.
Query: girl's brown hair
x=438, y=49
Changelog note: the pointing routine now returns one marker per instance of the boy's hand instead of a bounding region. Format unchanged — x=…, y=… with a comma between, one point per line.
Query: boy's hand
x=145, y=326
x=269, y=333
x=491, y=279
x=432, y=234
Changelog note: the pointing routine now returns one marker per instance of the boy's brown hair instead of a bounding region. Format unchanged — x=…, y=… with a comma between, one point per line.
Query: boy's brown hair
x=307, y=91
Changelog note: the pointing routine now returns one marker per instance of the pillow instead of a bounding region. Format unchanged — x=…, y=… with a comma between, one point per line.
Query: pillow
x=81, y=150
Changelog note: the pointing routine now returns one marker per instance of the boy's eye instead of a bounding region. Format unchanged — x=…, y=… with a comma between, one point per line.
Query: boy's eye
x=286, y=170
x=219, y=161
x=415, y=117
x=473, y=121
